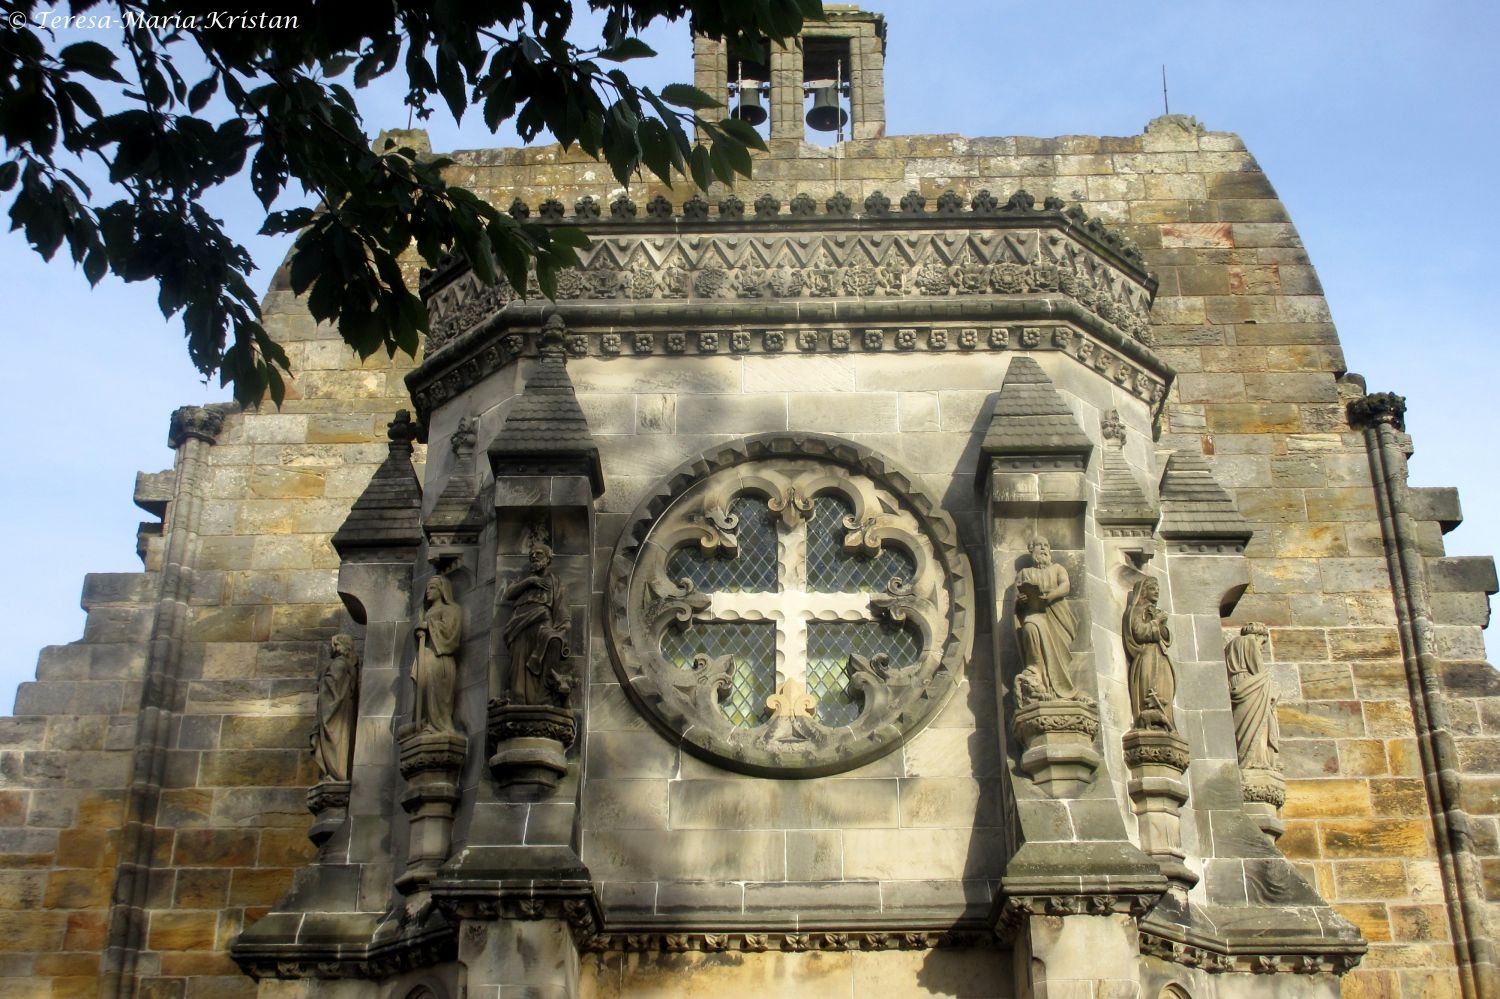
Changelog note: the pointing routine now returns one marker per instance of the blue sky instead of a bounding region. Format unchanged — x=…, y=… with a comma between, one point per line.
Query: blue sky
x=1376, y=123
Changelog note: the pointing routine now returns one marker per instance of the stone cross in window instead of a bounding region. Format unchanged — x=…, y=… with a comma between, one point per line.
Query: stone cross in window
x=791, y=607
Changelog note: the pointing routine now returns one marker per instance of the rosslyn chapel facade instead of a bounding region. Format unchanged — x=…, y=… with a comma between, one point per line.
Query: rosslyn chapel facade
x=937, y=567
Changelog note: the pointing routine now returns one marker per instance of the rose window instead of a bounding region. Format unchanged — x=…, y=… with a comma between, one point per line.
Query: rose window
x=789, y=615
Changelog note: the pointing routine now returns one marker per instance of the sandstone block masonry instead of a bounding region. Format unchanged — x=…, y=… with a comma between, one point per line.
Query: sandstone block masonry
x=152, y=778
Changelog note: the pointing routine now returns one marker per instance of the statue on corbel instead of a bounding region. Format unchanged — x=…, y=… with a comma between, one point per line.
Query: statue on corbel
x=531, y=726
x=432, y=744
x=1257, y=734
x=1155, y=751
x=331, y=741
x=1055, y=722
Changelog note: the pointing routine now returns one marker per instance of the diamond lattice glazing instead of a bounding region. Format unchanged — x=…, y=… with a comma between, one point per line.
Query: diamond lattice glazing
x=753, y=646
x=832, y=570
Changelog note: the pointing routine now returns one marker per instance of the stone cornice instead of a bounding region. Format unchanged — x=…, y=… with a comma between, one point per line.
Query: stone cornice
x=890, y=327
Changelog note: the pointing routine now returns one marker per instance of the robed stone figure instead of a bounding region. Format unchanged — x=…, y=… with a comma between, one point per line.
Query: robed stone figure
x=1252, y=696
x=337, y=708
x=1152, y=679
x=1045, y=627
x=537, y=632
x=438, y=632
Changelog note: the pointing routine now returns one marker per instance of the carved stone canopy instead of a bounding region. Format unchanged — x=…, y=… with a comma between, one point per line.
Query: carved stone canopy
x=796, y=610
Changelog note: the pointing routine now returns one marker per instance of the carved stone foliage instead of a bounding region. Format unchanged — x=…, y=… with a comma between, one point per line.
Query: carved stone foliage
x=793, y=608
x=899, y=263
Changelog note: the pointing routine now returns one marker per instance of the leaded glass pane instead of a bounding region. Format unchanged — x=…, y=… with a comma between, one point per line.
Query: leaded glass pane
x=752, y=570
x=753, y=646
x=829, y=644
x=831, y=570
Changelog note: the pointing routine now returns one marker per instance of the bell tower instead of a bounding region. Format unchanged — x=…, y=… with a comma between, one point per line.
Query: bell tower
x=831, y=78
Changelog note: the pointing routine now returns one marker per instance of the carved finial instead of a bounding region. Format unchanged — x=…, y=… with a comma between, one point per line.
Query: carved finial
x=465, y=436
x=1021, y=201
x=519, y=210
x=196, y=422
x=1112, y=427
x=402, y=430
x=552, y=340
x=1379, y=407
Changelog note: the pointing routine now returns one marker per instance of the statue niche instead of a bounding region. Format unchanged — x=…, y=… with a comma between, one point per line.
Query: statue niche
x=1155, y=751
x=432, y=747
x=1045, y=628
x=331, y=741
x=537, y=634
x=438, y=632
x=1257, y=734
x=1055, y=722
x=530, y=725
x=1153, y=680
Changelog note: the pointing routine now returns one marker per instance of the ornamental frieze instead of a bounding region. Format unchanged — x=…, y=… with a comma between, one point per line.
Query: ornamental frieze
x=625, y=269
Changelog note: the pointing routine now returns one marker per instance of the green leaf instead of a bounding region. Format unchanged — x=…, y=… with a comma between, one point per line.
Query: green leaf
x=10, y=172
x=701, y=168
x=685, y=96
x=91, y=58
x=656, y=149
x=627, y=49
x=744, y=132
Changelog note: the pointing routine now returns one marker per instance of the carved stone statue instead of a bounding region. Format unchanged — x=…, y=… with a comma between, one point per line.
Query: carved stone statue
x=439, y=630
x=1153, y=681
x=537, y=634
x=1045, y=627
x=338, y=706
x=1252, y=695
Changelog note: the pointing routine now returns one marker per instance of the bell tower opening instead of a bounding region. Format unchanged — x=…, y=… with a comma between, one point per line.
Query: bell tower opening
x=829, y=81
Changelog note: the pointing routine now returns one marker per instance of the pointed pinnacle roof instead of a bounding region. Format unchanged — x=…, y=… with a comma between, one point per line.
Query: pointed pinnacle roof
x=457, y=511
x=1194, y=505
x=1121, y=500
x=546, y=422
x=387, y=515
x=1031, y=418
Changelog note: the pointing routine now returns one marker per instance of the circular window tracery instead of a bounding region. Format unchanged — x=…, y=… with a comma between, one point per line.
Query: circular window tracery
x=791, y=613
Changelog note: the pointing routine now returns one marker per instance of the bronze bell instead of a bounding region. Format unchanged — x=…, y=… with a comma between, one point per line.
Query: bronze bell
x=826, y=114
x=751, y=108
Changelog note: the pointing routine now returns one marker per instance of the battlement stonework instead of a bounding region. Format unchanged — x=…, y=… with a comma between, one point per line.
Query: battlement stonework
x=154, y=779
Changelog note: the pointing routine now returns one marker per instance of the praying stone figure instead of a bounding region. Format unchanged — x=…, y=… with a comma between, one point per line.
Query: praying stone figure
x=1045, y=627
x=537, y=634
x=438, y=630
x=1153, y=681
x=337, y=706
x=1252, y=696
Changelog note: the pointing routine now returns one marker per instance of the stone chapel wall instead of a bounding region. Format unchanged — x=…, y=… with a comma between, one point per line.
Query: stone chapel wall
x=1239, y=314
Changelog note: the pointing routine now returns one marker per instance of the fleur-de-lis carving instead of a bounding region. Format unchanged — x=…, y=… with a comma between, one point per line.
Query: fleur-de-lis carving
x=793, y=507
x=791, y=701
x=862, y=538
